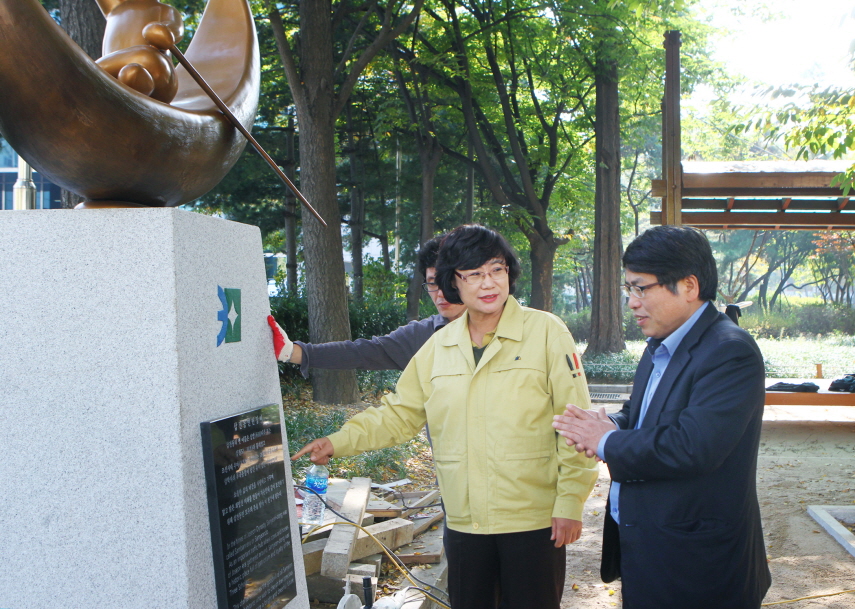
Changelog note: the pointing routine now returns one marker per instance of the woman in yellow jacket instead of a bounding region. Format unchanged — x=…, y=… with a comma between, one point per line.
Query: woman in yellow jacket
x=489, y=385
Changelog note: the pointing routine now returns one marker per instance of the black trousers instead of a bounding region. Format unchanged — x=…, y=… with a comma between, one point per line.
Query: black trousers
x=506, y=571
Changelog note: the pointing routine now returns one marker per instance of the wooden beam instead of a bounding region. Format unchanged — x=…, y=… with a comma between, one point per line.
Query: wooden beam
x=758, y=180
x=423, y=524
x=752, y=204
x=672, y=169
x=418, y=499
x=842, y=203
x=394, y=533
x=339, y=549
x=767, y=220
x=724, y=191
x=730, y=202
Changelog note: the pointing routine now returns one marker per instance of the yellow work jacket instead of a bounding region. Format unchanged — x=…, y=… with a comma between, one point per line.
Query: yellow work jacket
x=501, y=466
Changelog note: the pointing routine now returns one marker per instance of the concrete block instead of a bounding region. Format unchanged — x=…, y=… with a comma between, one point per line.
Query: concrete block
x=110, y=362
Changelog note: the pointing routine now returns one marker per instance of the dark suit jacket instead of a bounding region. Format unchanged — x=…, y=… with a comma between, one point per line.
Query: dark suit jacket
x=690, y=534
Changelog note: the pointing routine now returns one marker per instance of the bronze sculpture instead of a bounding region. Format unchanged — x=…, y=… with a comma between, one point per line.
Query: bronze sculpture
x=93, y=135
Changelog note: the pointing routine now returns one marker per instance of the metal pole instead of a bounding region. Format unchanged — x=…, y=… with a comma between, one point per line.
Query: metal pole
x=24, y=191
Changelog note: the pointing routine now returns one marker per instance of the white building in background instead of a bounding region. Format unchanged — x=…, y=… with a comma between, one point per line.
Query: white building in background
x=47, y=193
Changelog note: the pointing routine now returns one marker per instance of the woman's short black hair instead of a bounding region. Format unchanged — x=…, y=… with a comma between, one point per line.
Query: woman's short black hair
x=672, y=253
x=468, y=247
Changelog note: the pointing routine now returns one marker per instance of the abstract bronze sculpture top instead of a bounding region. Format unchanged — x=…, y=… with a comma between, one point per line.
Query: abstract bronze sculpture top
x=93, y=135
x=128, y=56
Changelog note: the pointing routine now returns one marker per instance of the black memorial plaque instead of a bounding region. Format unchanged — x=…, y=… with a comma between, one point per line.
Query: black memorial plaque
x=248, y=509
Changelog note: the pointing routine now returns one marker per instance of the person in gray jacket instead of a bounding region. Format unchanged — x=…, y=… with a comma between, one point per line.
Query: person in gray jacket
x=390, y=352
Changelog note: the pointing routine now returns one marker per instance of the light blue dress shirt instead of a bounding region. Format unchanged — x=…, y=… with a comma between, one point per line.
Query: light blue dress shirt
x=661, y=359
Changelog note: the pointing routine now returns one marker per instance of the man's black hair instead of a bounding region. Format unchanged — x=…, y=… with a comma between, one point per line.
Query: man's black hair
x=427, y=254
x=672, y=253
x=470, y=246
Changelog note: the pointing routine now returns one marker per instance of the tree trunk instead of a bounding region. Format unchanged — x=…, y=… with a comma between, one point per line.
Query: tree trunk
x=606, y=318
x=469, y=202
x=83, y=22
x=325, y=288
x=357, y=206
x=430, y=153
x=542, y=256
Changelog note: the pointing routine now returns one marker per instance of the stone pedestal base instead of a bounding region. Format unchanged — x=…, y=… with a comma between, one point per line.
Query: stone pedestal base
x=109, y=362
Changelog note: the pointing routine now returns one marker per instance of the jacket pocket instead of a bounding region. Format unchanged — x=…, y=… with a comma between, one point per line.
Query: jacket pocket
x=452, y=471
x=527, y=473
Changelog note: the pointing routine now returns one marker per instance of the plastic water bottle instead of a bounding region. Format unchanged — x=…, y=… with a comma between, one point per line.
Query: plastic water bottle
x=313, y=506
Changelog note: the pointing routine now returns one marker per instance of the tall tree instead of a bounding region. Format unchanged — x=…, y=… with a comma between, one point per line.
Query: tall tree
x=322, y=63
x=606, y=313
x=419, y=109
x=518, y=92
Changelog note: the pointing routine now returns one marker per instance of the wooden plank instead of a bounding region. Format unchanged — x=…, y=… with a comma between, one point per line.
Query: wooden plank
x=815, y=166
x=417, y=500
x=757, y=180
x=672, y=170
x=823, y=397
x=754, y=204
x=338, y=551
x=425, y=550
x=770, y=220
x=383, y=509
x=394, y=533
x=423, y=524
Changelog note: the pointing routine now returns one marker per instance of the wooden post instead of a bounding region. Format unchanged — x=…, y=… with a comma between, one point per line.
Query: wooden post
x=672, y=170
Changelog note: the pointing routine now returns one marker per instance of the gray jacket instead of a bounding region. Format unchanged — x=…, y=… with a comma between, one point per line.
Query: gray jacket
x=390, y=352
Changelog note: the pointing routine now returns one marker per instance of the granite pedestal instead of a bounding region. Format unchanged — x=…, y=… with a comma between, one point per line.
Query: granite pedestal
x=109, y=361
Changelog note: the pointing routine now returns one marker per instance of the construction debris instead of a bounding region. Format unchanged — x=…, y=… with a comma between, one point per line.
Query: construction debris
x=407, y=523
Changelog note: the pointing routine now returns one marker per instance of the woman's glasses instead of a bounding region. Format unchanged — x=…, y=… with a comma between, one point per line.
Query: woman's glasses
x=499, y=272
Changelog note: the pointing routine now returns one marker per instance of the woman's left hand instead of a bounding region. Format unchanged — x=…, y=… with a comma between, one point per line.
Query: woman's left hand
x=565, y=531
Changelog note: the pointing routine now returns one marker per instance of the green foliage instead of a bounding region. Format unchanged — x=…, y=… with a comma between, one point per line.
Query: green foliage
x=817, y=123
x=613, y=367
x=783, y=358
x=794, y=321
x=304, y=425
x=580, y=325
x=797, y=357
x=374, y=317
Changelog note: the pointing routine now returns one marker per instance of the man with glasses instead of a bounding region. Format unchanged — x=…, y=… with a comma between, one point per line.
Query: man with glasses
x=682, y=528
x=390, y=352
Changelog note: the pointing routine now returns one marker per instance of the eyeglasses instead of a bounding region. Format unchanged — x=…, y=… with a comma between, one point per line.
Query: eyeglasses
x=637, y=290
x=430, y=286
x=499, y=272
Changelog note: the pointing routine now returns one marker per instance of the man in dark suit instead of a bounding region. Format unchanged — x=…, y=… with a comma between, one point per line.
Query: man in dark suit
x=682, y=528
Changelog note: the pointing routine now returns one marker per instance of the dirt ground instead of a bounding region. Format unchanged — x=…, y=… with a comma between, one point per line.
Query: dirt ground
x=807, y=457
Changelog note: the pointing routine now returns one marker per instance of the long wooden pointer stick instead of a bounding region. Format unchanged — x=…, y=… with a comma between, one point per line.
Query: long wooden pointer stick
x=234, y=121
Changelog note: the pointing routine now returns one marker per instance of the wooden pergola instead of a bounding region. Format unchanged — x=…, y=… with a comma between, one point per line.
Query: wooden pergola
x=751, y=195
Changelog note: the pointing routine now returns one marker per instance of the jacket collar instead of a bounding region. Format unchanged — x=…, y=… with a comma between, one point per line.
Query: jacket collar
x=679, y=360
x=510, y=327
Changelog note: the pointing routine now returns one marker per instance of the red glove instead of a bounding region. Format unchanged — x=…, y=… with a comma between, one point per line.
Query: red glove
x=282, y=345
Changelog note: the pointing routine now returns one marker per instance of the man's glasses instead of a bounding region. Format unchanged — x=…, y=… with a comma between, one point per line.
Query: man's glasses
x=637, y=290
x=498, y=273
x=430, y=286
